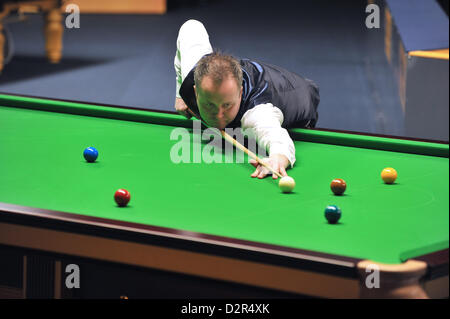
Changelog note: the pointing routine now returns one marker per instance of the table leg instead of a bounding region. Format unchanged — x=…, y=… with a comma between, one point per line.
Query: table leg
x=53, y=30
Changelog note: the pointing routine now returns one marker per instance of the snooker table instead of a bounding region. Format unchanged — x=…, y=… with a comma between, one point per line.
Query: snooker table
x=207, y=229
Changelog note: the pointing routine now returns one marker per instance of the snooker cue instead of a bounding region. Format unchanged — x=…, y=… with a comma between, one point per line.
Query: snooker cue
x=238, y=145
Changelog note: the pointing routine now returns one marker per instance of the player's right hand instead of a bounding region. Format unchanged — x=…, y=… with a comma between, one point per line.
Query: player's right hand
x=182, y=108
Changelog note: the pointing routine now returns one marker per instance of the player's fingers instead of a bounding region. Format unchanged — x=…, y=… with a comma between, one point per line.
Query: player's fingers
x=283, y=170
x=254, y=163
x=276, y=168
x=264, y=171
x=256, y=172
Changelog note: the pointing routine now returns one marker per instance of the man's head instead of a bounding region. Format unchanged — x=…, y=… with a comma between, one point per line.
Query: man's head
x=218, y=88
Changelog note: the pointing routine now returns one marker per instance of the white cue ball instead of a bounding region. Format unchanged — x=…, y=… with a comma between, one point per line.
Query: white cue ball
x=286, y=184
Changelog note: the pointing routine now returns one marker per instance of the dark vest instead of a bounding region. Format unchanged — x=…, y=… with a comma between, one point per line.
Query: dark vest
x=297, y=97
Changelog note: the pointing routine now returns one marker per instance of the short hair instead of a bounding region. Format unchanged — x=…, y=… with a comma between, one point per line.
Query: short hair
x=218, y=66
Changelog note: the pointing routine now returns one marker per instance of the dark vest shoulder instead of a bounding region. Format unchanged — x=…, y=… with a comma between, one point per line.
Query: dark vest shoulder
x=295, y=96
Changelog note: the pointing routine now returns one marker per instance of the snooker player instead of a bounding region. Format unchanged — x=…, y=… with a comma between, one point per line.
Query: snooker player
x=226, y=92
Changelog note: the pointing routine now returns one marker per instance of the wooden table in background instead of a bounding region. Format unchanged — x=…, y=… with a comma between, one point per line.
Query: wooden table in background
x=121, y=6
x=53, y=28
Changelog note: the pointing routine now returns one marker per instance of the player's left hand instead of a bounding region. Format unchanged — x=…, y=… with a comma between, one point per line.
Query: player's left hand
x=278, y=162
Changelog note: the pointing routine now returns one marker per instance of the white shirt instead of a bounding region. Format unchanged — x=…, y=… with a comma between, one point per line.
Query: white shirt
x=264, y=120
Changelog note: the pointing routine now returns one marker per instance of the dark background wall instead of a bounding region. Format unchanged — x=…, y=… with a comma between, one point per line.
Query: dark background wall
x=128, y=59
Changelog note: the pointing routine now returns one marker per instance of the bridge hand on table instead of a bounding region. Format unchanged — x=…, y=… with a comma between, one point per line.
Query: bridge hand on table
x=278, y=162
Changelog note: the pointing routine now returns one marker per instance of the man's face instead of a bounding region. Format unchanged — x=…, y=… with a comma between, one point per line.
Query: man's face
x=218, y=104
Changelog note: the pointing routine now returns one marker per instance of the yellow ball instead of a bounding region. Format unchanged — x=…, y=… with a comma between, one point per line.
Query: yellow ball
x=286, y=184
x=389, y=175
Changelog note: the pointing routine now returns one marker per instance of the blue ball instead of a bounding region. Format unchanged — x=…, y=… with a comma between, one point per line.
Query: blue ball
x=333, y=214
x=90, y=154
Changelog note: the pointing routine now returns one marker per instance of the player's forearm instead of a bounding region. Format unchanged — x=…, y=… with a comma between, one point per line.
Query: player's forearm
x=192, y=44
x=276, y=141
x=265, y=121
x=179, y=80
x=282, y=145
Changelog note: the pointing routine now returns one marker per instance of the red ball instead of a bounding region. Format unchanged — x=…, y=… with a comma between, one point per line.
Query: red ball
x=122, y=197
x=338, y=186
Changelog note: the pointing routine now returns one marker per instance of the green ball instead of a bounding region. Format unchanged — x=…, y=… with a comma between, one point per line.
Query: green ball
x=333, y=214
